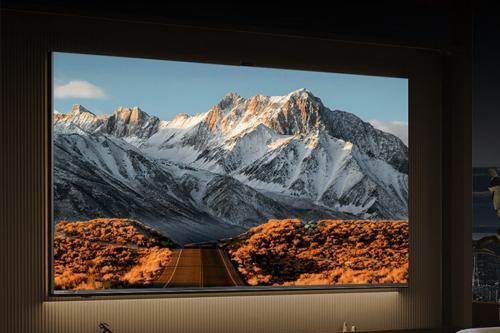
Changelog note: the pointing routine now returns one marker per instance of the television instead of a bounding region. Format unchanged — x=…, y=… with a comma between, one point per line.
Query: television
x=175, y=176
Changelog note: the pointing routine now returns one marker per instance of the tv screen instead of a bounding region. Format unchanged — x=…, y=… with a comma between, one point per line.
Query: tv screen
x=177, y=176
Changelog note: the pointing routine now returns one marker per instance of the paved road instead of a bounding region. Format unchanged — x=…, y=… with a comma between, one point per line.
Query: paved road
x=202, y=266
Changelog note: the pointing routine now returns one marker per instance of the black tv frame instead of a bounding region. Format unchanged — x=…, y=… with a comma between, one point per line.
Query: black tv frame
x=346, y=57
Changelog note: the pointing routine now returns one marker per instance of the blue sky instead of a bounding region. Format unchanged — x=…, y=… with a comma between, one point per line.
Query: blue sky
x=166, y=88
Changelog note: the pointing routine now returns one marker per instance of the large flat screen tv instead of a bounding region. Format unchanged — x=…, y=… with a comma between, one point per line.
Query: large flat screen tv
x=173, y=176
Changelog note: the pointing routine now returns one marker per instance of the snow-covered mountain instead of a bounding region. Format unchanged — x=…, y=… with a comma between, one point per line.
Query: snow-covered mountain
x=232, y=167
x=123, y=123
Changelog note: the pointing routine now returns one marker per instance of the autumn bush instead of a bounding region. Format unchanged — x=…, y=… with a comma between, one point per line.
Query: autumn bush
x=292, y=252
x=107, y=253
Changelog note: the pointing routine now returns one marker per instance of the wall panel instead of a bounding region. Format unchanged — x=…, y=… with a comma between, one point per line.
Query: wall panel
x=27, y=39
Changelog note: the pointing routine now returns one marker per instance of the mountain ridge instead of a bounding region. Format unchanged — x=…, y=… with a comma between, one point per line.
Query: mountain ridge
x=287, y=153
x=298, y=112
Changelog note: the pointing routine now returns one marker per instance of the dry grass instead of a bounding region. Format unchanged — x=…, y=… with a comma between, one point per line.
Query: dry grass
x=290, y=252
x=107, y=253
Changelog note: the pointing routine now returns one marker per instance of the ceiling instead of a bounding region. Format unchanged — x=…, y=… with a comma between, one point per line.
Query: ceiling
x=423, y=23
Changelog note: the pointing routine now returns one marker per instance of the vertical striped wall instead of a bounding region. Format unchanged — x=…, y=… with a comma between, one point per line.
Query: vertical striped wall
x=27, y=39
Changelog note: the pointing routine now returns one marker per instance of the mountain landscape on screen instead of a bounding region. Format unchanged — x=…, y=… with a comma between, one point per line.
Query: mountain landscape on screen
x=219, y=173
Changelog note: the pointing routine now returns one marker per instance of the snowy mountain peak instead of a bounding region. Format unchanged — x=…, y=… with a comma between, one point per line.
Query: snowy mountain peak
x=221, y=109
x=134, y=114
x=228, y=101
x=301, y=93
x=132, y=122
x=77, y=109
x=231, y=96
x=78, y=120
x=295, y=113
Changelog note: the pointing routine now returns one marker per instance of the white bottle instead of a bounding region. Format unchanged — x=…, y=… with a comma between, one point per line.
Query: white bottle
x=344, y=327
x=353, y=328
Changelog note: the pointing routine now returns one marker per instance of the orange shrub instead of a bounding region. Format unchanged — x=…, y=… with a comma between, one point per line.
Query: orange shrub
x=107, y=253
x=290, y=252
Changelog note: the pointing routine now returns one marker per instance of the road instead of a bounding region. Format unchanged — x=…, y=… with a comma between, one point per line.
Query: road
x=199, y=266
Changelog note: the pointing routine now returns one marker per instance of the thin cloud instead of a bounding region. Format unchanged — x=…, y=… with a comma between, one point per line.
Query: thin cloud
x=398, y=128
x=79, y=89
